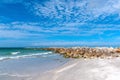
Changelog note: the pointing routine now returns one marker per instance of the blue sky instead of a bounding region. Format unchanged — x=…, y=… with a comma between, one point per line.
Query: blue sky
x=59, y=22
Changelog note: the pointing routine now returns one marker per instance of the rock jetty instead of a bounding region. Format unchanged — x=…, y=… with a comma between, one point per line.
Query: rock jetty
x=84, y=52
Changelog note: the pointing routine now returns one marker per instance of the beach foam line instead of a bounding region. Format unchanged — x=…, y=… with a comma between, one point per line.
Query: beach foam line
x=25, y=56
x=14, y=75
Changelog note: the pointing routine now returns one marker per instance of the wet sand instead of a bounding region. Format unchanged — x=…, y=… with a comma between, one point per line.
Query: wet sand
x=85, y=69
x=28, y=68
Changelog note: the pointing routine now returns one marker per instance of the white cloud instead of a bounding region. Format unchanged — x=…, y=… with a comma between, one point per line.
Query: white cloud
x=76, y=11
x=18, y=30
x=11, y=34
x=73, y=16
x=24, y=30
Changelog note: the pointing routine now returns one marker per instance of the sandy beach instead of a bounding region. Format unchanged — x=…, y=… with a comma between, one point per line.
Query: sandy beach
x=29, y=68
x=85, y=69
x=48, y=65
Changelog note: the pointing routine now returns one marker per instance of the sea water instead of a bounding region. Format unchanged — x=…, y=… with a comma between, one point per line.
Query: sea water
x=25, y=63
x=14, y=53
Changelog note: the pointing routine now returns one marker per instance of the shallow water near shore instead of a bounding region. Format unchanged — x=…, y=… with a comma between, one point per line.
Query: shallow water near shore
x=24, y=66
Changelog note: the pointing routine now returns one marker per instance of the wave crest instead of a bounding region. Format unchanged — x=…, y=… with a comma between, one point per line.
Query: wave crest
x=24, y=56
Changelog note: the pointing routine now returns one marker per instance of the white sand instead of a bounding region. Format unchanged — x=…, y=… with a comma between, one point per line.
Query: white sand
x=80, y=69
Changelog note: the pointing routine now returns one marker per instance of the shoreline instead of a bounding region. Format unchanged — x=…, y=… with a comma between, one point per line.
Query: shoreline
x=26, y=68
x=57, y=67
x=85, y=69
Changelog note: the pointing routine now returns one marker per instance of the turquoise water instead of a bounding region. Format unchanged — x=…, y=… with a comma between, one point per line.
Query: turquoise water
x=24, y=63
x=13, y=53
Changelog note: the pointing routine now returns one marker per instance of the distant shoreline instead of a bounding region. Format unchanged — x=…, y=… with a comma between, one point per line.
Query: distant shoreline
x=64, y=46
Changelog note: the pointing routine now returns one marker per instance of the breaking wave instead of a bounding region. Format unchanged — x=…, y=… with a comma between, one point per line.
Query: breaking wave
x=15, y=53
x=44, y=54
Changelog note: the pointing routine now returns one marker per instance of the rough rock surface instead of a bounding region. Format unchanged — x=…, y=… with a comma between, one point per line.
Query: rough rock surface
x=85, y=52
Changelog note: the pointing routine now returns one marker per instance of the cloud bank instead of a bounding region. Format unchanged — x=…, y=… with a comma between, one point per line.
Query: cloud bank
x=77, y=10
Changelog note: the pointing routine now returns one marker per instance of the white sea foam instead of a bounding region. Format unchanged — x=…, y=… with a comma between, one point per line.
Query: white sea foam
x=25, y=56
x=13, y=75
x=15, y=53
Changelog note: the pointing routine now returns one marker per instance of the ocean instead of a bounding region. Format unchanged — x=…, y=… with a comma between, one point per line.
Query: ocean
x=25, y=63
x=15, y=53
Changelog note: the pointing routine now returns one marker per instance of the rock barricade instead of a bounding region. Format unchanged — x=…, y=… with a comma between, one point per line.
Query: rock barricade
x=84, y=52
